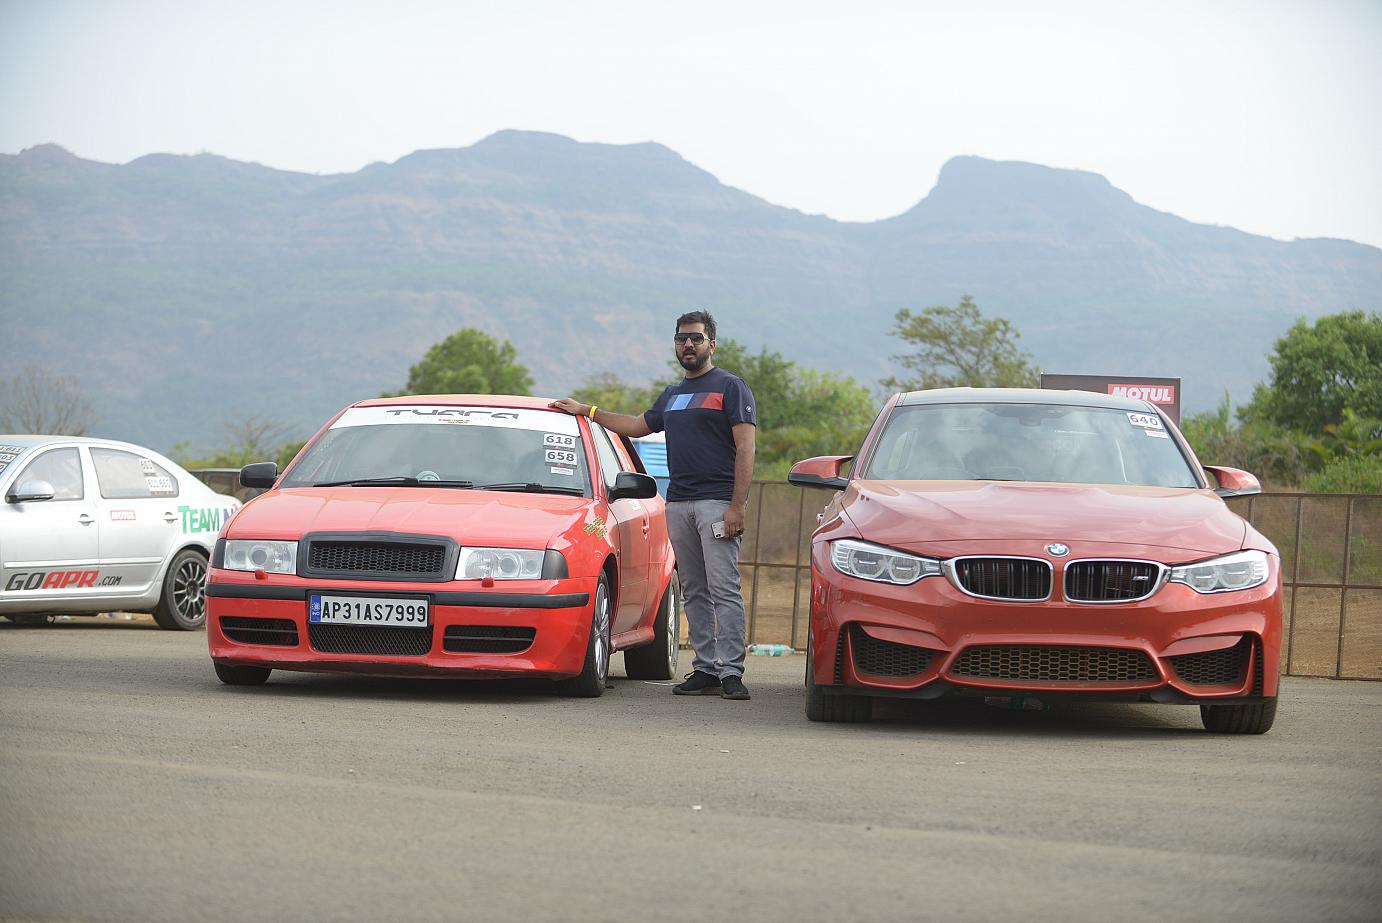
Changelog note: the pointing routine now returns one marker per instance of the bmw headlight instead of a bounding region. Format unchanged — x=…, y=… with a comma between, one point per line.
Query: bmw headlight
x=874, y=562
x=1240, y=571
x=270, y=557
x=499, y=563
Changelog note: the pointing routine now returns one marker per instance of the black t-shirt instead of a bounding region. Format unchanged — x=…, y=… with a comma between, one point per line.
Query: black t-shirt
x=698, y=415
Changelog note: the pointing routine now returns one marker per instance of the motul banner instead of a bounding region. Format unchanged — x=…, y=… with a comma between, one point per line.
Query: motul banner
x=1164, y=392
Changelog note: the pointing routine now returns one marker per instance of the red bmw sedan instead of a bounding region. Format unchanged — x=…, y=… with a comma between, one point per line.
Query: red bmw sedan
x=1008, y=542
x=454, y=536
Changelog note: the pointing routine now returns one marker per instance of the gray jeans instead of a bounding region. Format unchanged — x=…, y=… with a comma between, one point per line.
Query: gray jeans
x=709, y=570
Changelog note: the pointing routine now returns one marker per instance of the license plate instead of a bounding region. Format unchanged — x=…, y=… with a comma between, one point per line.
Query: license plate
x=367, y=610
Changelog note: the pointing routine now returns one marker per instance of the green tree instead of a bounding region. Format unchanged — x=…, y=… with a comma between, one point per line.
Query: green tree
x=1320, y=369
x=246, y=438
x=608, y=390
x=1280, y=457
x=957, y=347
x=469, y=362
x=801, y=412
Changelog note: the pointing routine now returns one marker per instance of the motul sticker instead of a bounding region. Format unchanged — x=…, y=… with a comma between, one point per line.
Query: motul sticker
x=122, y=515
x=1157, y=394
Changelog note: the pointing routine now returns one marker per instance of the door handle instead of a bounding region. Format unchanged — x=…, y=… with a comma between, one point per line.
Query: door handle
x=170, y=516
x=86, y=519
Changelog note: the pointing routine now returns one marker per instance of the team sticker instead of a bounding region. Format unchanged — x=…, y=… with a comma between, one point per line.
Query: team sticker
x=560, y=452
x=9, y=453
x=1149, y=423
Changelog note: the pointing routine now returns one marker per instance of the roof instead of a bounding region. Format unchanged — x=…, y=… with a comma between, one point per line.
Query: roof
x=481, y=400
x=1022, y=396
x=29, y=440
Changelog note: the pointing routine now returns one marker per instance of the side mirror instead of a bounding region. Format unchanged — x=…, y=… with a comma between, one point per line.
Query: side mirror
x=1233, y=482
x=630, y=485
x=260, y=474
x=822, y=471
x=30, y=490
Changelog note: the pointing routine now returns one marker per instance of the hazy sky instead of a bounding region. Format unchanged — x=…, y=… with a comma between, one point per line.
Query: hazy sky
x=1263, y=115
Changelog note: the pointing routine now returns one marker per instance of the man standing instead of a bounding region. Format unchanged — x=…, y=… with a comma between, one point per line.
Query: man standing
x=710, y=424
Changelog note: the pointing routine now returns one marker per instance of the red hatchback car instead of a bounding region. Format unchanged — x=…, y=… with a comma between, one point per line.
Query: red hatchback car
x=456, y=536
x=1008, y=542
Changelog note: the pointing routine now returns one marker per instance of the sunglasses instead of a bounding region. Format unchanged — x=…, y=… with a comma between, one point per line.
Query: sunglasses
x=694, y=338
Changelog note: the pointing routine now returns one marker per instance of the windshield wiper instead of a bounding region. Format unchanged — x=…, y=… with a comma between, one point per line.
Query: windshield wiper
x=400, y=481
x=532, y=487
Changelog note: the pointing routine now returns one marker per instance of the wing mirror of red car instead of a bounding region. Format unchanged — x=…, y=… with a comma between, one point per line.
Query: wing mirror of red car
x=260, y=474
x=1233, y=482
x=630, y=485
x=822, y=471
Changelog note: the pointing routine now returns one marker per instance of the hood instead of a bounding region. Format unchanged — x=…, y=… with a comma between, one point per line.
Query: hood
x=912, y=514
x=471, y=517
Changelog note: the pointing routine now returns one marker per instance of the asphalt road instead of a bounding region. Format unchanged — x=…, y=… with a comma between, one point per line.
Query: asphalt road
x=133, y=786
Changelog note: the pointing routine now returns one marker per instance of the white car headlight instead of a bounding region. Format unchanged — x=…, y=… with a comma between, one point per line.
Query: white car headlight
x=270, y=557
x=874, y=562
x=499, y=563
x=1242, y=570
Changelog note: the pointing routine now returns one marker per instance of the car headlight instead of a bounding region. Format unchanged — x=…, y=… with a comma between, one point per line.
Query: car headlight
x=270, y=557
x=1240, y=571
x=874, y=562
x=499, y=563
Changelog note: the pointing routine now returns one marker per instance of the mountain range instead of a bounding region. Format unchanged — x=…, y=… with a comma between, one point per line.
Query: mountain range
x=182, y=290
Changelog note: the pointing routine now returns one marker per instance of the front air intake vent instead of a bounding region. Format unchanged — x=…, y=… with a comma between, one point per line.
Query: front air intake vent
x=268, y=632
x=1043, y=664
x=887, y=658
x=487, y=639
x=1227, y=666
x=390, y=640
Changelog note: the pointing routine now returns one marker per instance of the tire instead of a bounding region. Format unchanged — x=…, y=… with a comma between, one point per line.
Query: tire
x=1243, y=718
x=590, y=683
x=30, y=619
x=241, y=676
x=842, y=708
x=658, y=660
x=182, y=607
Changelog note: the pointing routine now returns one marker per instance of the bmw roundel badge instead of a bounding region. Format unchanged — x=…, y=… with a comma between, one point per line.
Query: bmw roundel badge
x=1057, y=549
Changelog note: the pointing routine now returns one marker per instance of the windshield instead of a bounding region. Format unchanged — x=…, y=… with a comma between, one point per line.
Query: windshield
x=1028, y=442
x=462, y=447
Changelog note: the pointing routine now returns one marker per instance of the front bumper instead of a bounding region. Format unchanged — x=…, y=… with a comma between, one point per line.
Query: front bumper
x=931, y=639
x=485, y=628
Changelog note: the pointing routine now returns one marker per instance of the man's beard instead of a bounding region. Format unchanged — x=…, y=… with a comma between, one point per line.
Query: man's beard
x=694, y=362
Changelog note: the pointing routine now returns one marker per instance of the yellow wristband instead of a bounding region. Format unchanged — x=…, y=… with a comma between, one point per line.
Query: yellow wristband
x=593, y=408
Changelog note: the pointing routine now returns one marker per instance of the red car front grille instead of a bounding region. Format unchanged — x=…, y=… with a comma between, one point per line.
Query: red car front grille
x=1004, y=578
x=1111, y=581
x=1055, y=664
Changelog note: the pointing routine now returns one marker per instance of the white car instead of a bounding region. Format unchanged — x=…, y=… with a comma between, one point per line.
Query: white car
x=93, y=525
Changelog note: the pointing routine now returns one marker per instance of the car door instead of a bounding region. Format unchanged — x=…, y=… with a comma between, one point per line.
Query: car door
x=631, y=530
x=49, y=548
x=140, y=516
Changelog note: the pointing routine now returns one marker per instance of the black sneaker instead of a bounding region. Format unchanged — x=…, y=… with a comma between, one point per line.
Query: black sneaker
x=698, y=683
x=732, y=687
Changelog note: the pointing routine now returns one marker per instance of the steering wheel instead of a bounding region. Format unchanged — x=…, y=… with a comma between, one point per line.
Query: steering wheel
x=428, y=475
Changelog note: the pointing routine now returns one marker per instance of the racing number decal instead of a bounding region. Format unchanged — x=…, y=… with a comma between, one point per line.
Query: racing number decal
x=561, y=457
